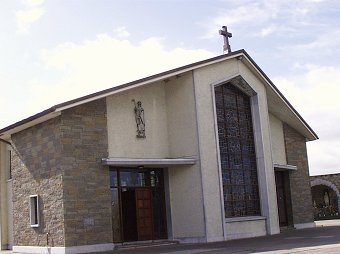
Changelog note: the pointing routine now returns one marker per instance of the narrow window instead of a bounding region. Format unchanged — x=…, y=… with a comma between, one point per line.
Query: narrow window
x=34, y=211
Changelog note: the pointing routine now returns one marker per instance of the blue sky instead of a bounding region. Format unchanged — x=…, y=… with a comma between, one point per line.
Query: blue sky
x=55, y=50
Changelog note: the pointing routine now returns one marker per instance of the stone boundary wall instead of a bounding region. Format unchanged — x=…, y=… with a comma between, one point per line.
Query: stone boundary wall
x=331, y=178
x=301, y=194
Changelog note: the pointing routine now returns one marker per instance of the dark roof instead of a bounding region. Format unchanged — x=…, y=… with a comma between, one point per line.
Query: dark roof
x=112, y=89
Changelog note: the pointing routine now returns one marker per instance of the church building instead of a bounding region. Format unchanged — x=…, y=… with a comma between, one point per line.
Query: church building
x=206, y=152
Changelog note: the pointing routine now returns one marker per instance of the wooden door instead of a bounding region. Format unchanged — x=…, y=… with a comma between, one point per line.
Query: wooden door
x=144, y=214
x=281, y=198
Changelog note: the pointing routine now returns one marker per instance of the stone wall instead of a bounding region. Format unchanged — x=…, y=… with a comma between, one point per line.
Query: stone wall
x=332, y=179
x=301, y=195
x=35, y=156
x=87, y=198
x=60, y=160
x=319, y=184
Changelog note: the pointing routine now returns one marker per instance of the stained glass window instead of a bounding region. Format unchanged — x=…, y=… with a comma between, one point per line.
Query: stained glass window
x=237, y=152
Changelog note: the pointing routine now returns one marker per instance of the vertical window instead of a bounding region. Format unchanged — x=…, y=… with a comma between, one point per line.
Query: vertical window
x=34, y=211
x=237, y=152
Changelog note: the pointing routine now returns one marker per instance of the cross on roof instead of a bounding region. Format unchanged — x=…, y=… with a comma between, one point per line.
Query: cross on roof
x=224, y=32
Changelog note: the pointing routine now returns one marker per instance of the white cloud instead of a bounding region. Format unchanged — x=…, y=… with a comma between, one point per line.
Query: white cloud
x=26, y=17
x=255, y=15
x=71, y=70
x=326, y=41
x=115, y=61
x=33, y=2
x=315, y=94
x=314, y=1
x=94, y=65
x=318, y=85
x=243, y=14
x=323, y=156
x=121, y=32
x=268, y=30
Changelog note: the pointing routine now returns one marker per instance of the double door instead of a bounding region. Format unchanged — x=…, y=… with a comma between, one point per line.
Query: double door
x=138, y=207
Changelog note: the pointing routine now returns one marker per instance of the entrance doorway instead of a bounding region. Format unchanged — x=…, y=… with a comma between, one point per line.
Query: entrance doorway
x=138, y=204
x=283, y=198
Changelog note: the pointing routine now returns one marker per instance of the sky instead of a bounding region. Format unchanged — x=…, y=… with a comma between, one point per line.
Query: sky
x=52, y=51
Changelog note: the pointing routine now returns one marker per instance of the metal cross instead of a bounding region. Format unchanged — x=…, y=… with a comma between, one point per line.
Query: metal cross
x=224, y=32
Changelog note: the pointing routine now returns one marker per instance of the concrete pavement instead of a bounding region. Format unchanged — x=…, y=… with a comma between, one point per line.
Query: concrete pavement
x=324, y=238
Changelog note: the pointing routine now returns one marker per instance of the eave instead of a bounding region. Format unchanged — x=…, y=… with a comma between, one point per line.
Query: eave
x=288, y=111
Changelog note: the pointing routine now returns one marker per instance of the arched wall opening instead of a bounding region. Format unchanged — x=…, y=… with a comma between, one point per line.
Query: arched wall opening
x=326, y=200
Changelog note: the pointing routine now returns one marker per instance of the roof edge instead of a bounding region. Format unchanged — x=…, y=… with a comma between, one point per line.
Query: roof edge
x=281, y=95
x=106, y=92
x=28, y=119
x=152, y=78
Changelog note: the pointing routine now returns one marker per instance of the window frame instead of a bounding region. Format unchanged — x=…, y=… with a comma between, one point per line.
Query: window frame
x=251, y=199
x=34, y=210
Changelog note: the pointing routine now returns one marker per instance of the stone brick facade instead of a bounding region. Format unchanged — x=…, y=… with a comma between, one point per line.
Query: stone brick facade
x=301, y=195
x=60, y=160
x=87, y=198
x=35, y=157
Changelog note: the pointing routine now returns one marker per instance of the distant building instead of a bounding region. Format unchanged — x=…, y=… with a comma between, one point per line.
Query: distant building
x=326, y=196
x=195, y=154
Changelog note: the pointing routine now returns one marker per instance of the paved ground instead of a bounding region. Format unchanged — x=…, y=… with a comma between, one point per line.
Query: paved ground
x=325, y=239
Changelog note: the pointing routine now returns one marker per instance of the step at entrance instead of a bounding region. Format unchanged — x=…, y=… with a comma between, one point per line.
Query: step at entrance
x=143, y=244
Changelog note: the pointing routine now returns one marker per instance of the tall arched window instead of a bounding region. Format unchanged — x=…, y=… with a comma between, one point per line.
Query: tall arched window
x=237, y=152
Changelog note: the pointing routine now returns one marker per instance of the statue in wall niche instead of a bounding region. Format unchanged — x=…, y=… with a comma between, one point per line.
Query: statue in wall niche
x=140, y=120
x=326, y=198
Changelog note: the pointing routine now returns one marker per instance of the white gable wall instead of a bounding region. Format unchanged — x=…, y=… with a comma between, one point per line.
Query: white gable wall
x=122, y=126
x=170, y=129
x=204, y=79
x=263, y=148
x=180, y=122
x=213, y=202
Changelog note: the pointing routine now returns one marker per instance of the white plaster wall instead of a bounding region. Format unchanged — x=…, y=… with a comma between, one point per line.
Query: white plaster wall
x=181, y=116
x=245, y=229
x=122, y=140
x=263, y=148
x=186, y=203
x=203, y=80
x=170, y=133
x=195, y=191
x=185, y=182
x=277, y=139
